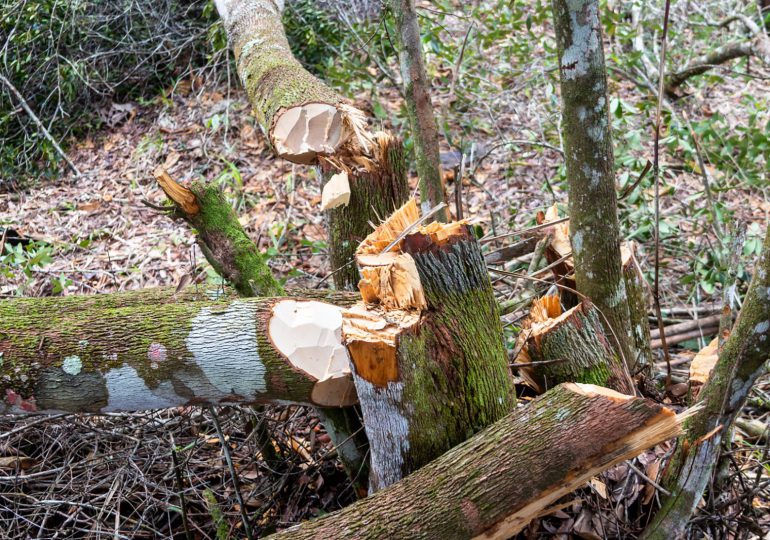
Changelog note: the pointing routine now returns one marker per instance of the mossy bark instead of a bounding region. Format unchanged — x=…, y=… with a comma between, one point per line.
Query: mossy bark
x=638, y=293
x=594, y=229
x=577, y=349
x=419, y=107
x=102, y=353
x=274, y=80
x=494, y=484
x=226, y=245
x=374, y=194
x=451, y=375
x=741, y=361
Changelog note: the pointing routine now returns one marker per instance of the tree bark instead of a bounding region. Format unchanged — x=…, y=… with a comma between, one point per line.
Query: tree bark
x=638, y=293
x=236, y=257
x=375, y=193
x=494, y=484
x=419, y=107
x=107, y=353
x=220, y=236
x=573, y=347
x=740, y=363
x=444, y=375
x=594, y=229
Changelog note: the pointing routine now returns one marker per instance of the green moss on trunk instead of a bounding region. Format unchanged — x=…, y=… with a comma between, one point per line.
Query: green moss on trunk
x=594, y=229
x=374, y=195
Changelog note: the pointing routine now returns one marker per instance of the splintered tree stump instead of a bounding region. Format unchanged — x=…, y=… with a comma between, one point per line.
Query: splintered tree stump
x=494, y=484
x=572, y=347
x=638, y=294
x=378, y=186
x=431, y=368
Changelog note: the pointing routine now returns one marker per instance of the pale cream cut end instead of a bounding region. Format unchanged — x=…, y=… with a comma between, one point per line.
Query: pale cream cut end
x=371, y=324
x=393, y=285
x=309, y=335
x=592, y=390
x=559, y=233
x=336, y=192
x=299, y=134
x=704, y=362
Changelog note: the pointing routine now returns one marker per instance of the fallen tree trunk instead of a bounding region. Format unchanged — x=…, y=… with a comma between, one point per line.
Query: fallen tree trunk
x=571, y=347
x=438, y=372
x=237, y=258
x=740, y=363
x=494, y=484
x=99, y=353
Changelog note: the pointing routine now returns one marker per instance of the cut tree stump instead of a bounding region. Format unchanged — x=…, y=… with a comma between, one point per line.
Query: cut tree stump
x=639, y=299
x=570, y=347
x=493, y=485
x=429, y=362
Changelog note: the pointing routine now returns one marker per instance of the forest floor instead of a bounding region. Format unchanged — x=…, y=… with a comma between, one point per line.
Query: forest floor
x=114, y=474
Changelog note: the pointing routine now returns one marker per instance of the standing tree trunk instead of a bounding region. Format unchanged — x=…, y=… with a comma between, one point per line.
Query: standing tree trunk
x=419, y=106
x=741, y=362
x=594, y=229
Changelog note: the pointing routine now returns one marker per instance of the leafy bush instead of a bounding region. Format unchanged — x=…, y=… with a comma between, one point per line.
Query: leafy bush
x=70, y=58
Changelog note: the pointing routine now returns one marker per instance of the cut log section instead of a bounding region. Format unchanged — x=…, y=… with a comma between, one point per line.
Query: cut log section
x=302, y=117
x=494, y=484
x=570, y=347
x=100, y=354
x=428, y=362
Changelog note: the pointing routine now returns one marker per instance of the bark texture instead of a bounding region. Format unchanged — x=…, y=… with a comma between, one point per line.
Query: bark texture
x=574, y=348
x=221, y=237
x=419, y=107
x=492, y=485
x=274, y=80
x=447, y=376
x=109, y=353
x=741, y=362
x=638, y=293
x=594, y=230
x=376, y=190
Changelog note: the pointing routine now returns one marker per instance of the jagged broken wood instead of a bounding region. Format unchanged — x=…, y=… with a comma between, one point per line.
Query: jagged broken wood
x=570, y=347
x=429, y=363
x=493, y=485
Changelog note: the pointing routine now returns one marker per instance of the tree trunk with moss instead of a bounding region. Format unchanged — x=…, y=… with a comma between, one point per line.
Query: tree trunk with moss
x=741, y=361
x=594, y=229
x=573, y=347
x=376, y=191
x=236, y=257
x=494, y=484
x=638, y=294
x=110, y=353
x=419, y=106
x=443, y=373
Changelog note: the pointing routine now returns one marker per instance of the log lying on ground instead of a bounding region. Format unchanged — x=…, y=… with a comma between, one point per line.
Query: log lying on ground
x=494, y=484
x=429, y=363
x=570, y=347
x=741, y=361
x=101, y=353
x=301, y=116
